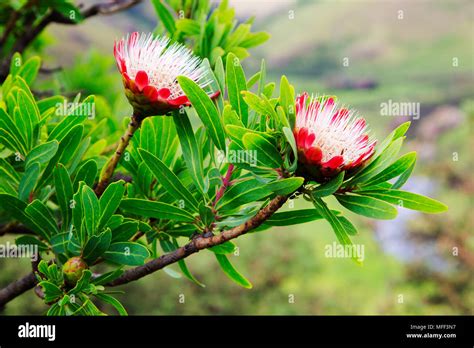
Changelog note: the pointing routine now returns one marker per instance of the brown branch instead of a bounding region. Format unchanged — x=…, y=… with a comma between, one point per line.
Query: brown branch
x=31, y=32
x=200, y=243
x=17, y=288
x=112, y=164
x=14, y=228
x=29, y=281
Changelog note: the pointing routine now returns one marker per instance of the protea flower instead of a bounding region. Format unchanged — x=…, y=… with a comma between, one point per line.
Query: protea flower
x=149, y=67
x=330, y=138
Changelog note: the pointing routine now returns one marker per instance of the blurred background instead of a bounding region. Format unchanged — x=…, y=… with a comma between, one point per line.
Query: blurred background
x=367, y=53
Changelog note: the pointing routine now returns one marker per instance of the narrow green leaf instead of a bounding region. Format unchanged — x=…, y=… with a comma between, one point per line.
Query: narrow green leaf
x=402, y=179
x=165, y=15
x=231, y=272
x=169, y=180
x=38, y=212
x=285, y=186
x=96, y=246
x=329, y=187
x=28, y=181
x=86, y=173
x=190, y=149
x=42, y=153
x=333, y=220
x=91, y=210
x=242, y=193
x=395, y=169
x=379, y=163
x=64, y=193
x=287, y=100
x=127, y=253
x=110, y=201
x=29, y=70
x=267, y=154
x=112, y=301
x=157, y=210
x=407, y=200
x=205, y=109
x=225, y=248
x=368, y=206
x=29, y=241
x=236, y=83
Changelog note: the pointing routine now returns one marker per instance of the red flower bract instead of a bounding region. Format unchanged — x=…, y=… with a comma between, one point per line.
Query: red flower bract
x=150, y=67
x=329, y=138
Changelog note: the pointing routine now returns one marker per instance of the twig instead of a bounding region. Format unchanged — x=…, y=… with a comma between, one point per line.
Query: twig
x=31, y=32
x=124, y=141
x=200, y=243
x=14, y=228
x=225, y=184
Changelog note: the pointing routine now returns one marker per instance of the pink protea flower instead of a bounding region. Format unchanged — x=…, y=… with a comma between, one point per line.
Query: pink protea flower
x=330, y=138
x=149, y=67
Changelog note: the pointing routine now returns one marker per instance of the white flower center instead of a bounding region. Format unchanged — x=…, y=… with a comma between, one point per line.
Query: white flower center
x=162, y=62
x=335, y=138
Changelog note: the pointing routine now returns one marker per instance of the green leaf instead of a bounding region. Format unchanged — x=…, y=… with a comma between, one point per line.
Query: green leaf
x=113, y=301
x=295, y=217
x=407, y=200
x=254, y=39
x=231, y=272
x=402, y=179
x=230, y=117
x=42, y=153
x=64, y=193
x=169, y=180
x=153, y=209
x=29, y=241
x=378, y=164
x=287, y=100
x=86, y=173
x=51, y=291
x=28, y=181
x=329, y=187
x=29, y=70
x=394, y=135
x=16, y=208
x=285, y=186
x=67, y=146
x=83, y=283
x=242, y=193
x=236, y=83
x=348, y=226
x=125, y=231
x=334, y=221
x=225, y=248
x=91, y=210
x=368, y=206
x=110, y=201
x=29, y=114
x=191, y=153
x=205, y=109
x=165, y=15
x=107, y=277
x=10, y=134
x=39, y=213
x=267, y=154
x=395, y=169
x=96, y=246
x=127, y=253
x=188, y=26
x=15, y=63
x=220, y=74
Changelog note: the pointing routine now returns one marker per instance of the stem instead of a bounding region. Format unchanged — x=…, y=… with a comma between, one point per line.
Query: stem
x=200, y=243
x=112, y=164
x=18, y=287
x=225, y=184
